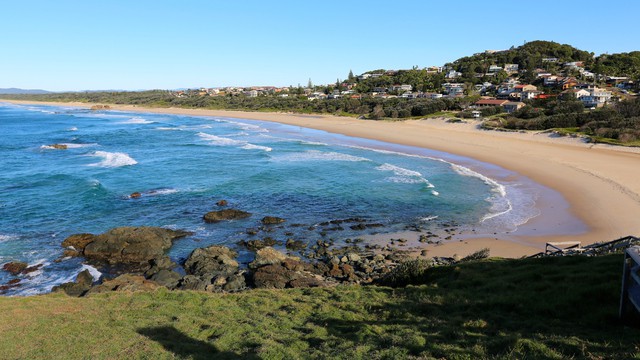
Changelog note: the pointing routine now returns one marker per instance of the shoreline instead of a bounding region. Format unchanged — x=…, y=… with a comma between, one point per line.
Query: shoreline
x=599, y=182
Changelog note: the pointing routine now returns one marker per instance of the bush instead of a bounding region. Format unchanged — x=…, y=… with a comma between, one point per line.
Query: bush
x=406, y=273
x=478, y=255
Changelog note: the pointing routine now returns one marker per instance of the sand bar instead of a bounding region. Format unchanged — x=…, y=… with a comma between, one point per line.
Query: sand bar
x=601, y=183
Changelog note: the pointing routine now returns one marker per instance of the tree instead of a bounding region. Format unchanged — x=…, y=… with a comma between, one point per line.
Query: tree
x=309, y=84
x=350, y=77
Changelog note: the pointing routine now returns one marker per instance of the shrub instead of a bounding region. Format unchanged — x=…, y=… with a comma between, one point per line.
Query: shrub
x=406, y=273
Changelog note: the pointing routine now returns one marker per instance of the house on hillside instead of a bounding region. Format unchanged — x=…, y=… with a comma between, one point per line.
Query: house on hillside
x=489, y=102
x=494, y=69
x=597, y=97
x=530, y=94
x=453, y=89
x=512, y=106
x=452, y=74
x=511, y=68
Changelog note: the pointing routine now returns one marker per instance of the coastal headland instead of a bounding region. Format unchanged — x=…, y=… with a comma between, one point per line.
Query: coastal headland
x=599, y=182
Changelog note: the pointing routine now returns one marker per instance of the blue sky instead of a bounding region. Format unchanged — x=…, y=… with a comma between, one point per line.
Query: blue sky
x=77, y=45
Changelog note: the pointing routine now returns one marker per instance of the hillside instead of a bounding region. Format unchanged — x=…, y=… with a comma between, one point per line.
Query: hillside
x=22, y=91
x=549, y=308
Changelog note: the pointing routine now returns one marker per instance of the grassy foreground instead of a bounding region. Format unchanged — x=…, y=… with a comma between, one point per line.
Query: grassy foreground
x=552, y=308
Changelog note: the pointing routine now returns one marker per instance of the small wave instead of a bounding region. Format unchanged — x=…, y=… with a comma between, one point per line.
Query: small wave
x=398, y=170
x=156, y=192
x=256, y=147
x=5, y=237
x=164, y=128
x=429, y=218
x=73, y=128
x=221, y=141
x=115, y=159
x=435, y=193
x=68, y=146
x=249, y=127
x=136, y=120
x=315, y=155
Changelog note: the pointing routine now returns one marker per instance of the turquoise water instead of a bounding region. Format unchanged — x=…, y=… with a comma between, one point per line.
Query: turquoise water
x=183, y=165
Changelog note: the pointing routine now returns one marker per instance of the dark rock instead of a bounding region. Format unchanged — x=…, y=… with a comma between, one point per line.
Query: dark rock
x=135, y=195
x=222, y=203
x=31, y=269
x=131, y=246
x=78, y=241
x=226, y=214
x=167, y=278
x=295, y=244
x=272, y=220
x=358, y=227
x=83, y=283
x=272, y=277
x=259, y=244
x=235, y=283
x=14, y=267
x=191, y=282
x=11, y=284
x=211, y=261
x=160, y=263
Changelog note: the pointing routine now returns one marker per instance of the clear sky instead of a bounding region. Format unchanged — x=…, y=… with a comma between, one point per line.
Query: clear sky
x=143, y=44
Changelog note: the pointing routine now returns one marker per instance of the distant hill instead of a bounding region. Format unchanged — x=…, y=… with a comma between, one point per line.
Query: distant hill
x=23, y=91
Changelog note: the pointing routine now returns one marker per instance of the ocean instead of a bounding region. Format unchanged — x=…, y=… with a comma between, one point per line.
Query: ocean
x=182, y=165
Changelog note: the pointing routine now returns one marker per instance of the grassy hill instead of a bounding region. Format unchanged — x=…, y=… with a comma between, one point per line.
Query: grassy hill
x=551, y=308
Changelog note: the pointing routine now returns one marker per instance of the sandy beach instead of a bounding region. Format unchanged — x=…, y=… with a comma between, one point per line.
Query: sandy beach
x=600, y=183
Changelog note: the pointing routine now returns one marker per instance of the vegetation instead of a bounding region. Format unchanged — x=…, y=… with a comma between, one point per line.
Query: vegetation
x=549, y=308
x=619, y=124
x=369, y=107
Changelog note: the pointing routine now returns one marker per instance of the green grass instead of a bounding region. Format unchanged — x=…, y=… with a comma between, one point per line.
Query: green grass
x=552, y=308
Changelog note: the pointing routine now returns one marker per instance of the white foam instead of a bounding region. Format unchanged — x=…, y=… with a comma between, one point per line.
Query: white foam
x=6, y=237
x=405, y=180
x=93, y=271
x=429, y=218
x=136, y=120
x=157, y=192
x=73, y=128
x=435, y=193
x=315, y=155
x=161, y=128
x=398, y=170
x=256, y=147
x=222, y=141
x=249, y=127
x=113, y=159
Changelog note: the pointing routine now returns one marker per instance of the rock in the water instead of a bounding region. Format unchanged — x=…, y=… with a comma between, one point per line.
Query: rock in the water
x=226, y=214
x=295, y=244
x=211, y=261
x=59, y=146
x=267, y=256
x=78, y=241
x=272, y=220
x=135, y=195
x=259, y=244
x=131, y=246
x=126, y=282
x=15, y=267
x=222, y=203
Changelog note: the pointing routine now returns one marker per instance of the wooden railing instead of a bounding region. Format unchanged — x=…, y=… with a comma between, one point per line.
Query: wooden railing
x=630, y=294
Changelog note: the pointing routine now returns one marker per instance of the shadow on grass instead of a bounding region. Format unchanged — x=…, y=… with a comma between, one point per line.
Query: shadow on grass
x=183, y=346
x=538, y=308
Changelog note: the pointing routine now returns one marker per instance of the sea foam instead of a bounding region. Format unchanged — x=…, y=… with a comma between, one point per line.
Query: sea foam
x=315, y=155
x=222, y=141
x=113, y=159
x=136, y=120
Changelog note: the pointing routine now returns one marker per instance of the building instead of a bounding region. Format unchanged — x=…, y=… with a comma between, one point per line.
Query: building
x=490, y=102
x=512, y=106
x=597, y=97
x=511, y=68
x=494, y=69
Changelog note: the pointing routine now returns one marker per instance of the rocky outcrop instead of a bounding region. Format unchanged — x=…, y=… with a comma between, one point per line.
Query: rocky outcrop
x=212, y=269
x=272, y=220
x=126, y=282
x=213, y=260
x=226, y=214
x=135, y=195
x=128, y=246
x=14, y=267
x=274, y=270
x=78, y=288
